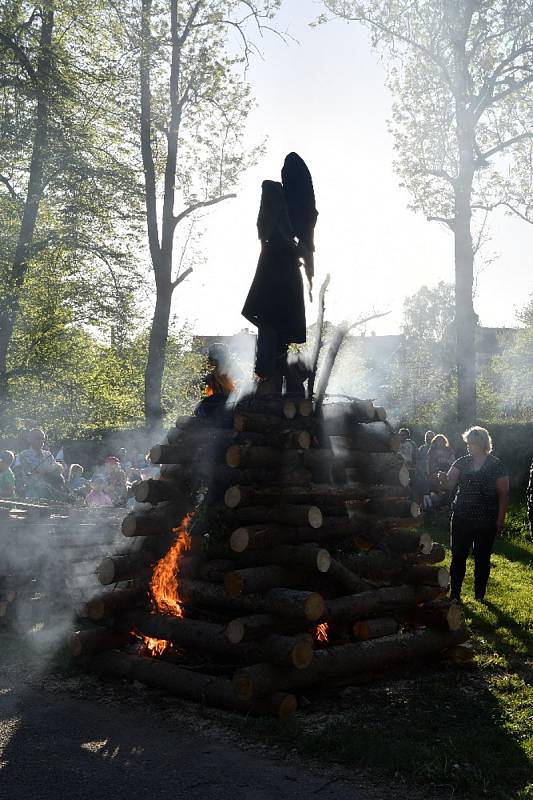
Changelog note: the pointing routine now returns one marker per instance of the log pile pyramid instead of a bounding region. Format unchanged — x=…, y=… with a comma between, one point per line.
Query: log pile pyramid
x=303, y=564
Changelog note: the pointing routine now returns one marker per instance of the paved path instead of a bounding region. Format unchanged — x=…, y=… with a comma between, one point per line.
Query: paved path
x=55, y=747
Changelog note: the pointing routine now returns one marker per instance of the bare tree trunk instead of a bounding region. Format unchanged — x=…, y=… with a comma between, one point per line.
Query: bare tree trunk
x=155, y=365
x=34, y=194
x=465, y=319
x=160, y=245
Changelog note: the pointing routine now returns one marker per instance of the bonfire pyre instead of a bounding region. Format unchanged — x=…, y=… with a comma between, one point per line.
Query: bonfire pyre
x=304, y=564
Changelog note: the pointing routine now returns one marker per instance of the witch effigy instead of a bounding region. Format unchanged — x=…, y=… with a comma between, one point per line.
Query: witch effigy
x=275, y=302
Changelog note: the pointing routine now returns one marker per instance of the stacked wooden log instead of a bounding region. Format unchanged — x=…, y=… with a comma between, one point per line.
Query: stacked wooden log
x=303, y=562
x=50, y=554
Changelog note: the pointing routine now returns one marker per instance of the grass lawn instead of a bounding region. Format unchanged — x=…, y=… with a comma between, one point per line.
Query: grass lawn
x=466, y=729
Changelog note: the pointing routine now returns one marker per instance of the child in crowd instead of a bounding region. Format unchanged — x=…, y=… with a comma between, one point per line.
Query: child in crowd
x=7, y=479
x=76, y=481
x=97, y=496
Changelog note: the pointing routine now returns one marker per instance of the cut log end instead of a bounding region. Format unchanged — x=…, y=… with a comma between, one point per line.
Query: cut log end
x=232, y=497
x=305, y=408
x=323, y=560
x=129, y=525
x=426, y=543
x=283, y=705
x=443, y=577
x=233, y=584
x=315, y=517
x=233, y=456
x=455, y=617
x=314, y=607
x=415, y=510
x=155, y=454
x=289, y=409
x=235, y=631
x=106, y=572
x=96, y=609
x=243, y=686
x=303, y=440
x=302, y=654
x=239, y=540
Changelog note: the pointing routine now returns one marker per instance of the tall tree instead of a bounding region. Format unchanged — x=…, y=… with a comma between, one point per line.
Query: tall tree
x=69, y=193
x=425, y=366
x=461, y=72
x=38, y=78
x=193, y=107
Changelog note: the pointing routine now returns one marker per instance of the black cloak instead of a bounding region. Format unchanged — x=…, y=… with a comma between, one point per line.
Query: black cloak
x=276, y=297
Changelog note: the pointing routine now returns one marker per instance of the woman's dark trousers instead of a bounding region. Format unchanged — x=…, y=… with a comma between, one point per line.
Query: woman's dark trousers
x=478, y=535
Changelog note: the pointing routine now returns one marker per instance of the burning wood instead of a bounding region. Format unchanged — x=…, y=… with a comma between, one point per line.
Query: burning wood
x=255, y=584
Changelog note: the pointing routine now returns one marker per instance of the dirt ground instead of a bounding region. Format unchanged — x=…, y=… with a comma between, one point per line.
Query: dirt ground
x=65, y=734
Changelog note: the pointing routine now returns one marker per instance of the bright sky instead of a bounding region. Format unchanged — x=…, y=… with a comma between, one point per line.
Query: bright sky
x=325, y=98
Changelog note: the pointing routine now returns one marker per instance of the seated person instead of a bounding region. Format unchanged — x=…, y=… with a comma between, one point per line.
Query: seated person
x=115, y=481
x=76, y=482
x=97, y=497
x=41, y=473
x=7, y=479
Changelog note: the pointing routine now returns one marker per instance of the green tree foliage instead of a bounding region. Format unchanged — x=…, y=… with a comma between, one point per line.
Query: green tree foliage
x=69, y=192
x=514, y=369
x=81, y=386
x=461, y=76
x=425, y=379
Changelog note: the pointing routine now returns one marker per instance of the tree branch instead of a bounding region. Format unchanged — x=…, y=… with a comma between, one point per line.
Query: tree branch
x=506, y=204
x=441, y=173
x=146, y=143
x=502, y=146
x=22, y=58
x=202, y=204
x=9, y=186
x=181, y=278
x=404, y=38
x=450, y=223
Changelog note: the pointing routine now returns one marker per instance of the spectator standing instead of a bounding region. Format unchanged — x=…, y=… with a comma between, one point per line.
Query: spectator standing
x=440, y=457
x=7, y=479
x=98, y=497
x=421, y=484
x=478, y=509
x=529, y=499
x=124, y=459
x=422, y=456
x=41, y=474
x=115, y=484
x=408, y=450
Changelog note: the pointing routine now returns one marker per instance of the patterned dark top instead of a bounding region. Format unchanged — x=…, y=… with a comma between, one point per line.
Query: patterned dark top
x=476, y=497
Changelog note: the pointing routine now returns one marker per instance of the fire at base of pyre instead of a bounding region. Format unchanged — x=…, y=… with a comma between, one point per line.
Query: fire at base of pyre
x=164, y=590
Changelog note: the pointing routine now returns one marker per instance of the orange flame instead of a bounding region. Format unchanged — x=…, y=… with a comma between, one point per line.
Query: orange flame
x=154, y=647
x=151, y=646
x=209, y=391
x=164, y=587
x=321, y=632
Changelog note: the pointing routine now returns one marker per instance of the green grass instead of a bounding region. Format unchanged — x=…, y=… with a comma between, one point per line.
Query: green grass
x=466, y=729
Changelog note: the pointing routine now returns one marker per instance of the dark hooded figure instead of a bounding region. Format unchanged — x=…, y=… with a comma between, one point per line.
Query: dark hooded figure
x=275, y=302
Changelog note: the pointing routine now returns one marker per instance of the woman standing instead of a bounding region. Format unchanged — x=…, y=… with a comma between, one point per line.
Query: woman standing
x=478, y=509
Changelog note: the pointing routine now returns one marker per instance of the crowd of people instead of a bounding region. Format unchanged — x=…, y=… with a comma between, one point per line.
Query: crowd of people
x=424, y=463
x=35, y=473
x=477, y=486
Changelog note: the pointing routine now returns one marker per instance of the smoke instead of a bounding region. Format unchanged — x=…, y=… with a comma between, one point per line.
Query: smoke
x=49, y=564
